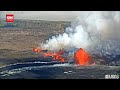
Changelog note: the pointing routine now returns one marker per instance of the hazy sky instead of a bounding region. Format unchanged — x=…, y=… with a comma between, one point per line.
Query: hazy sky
x=43, y=15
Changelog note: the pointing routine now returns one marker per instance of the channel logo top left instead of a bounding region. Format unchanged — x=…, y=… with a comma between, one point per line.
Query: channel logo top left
x=9, y=18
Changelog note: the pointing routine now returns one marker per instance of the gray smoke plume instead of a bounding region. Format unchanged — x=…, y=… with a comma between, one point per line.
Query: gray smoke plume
x=95, y=31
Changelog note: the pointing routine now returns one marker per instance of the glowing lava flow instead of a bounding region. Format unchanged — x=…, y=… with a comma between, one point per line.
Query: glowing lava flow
x=36, y=50
x=56, y=56
x=82, y=58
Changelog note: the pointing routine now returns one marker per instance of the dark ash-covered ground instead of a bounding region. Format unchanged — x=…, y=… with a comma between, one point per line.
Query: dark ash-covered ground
x=48, y=69
x=17, y=42
x=18, y=39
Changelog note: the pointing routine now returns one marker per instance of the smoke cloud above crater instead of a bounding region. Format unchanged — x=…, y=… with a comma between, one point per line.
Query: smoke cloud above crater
x=89, y=30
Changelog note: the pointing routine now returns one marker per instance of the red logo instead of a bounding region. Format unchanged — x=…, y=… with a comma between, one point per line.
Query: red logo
x=9, y=18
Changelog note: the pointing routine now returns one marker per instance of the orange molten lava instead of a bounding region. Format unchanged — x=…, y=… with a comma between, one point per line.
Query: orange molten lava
x=56, y=56
x=50, y=54
x=81, y=57
x=36, y=50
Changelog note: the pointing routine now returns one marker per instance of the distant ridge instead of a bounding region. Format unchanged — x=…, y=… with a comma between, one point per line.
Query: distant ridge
x=37, y=24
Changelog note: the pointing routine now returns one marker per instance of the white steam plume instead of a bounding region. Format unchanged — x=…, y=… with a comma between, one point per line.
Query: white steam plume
x=88, y=31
